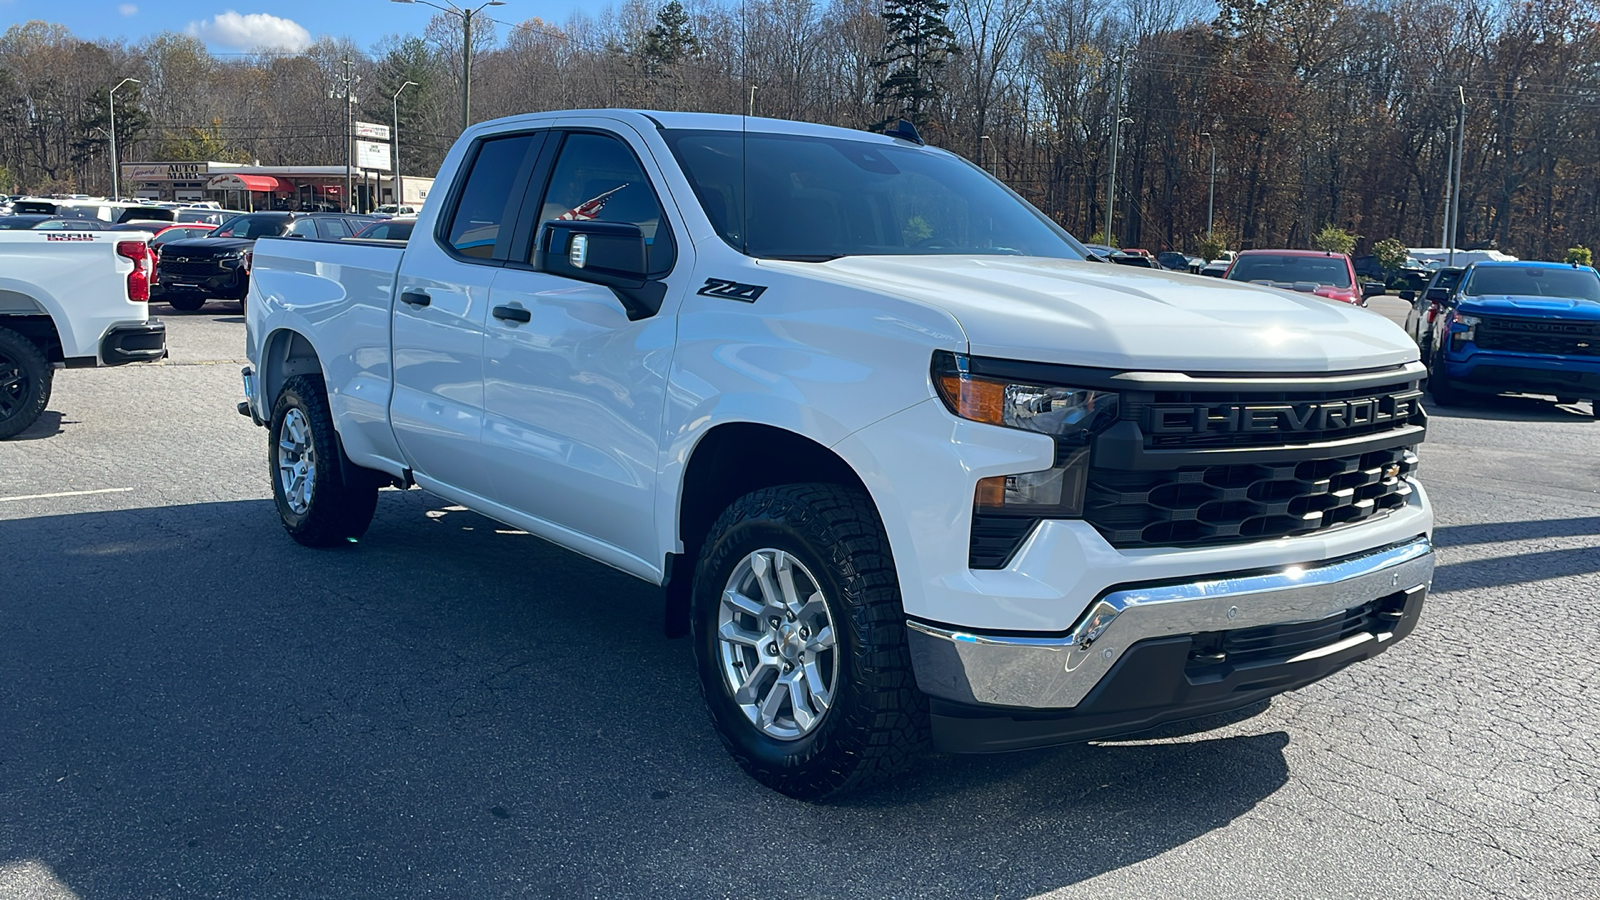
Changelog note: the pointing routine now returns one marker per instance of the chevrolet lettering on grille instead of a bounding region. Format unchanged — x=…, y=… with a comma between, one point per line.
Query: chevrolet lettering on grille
x=1280, y=417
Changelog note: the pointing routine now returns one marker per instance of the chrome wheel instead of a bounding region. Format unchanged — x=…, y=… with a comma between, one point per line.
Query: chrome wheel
x=776, y=645
x=297, y=460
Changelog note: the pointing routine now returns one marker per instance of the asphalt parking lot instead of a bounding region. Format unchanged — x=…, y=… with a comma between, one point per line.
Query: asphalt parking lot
x=194, y=706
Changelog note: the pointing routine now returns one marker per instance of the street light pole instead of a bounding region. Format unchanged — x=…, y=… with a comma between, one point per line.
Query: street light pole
x=1461, y=151
x=1211, y=194
x=349, y=137
x=399, y=180
x=112, y=100
x=465, y=15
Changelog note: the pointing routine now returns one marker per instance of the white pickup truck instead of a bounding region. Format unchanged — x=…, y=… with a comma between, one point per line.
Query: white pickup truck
x=908, y=467
x=77, y=299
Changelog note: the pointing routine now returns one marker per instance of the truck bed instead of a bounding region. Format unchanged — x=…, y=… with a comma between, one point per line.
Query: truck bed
x=342, y=291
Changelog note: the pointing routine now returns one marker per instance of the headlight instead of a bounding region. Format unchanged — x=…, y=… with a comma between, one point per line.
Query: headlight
x=1070, y=415
x=1056, y=410
x=1463, y=328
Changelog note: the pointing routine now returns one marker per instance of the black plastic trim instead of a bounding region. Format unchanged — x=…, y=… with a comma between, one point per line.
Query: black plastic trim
x=134, y=343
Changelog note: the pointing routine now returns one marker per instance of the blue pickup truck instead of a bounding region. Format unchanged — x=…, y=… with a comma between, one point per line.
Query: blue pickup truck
x=1526, y=327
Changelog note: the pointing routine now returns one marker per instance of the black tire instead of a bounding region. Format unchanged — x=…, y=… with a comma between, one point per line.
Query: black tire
x=343, y=496
x=185, y=302
x=1444, y=393
x=877, y=722
x=25, y=377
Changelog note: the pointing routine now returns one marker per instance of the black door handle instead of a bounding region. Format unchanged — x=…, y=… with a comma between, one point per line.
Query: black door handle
x=512, y=314
x=415, y=298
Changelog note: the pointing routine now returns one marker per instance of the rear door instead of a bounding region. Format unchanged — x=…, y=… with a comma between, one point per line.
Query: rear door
x=574, y=392
x=441, y=303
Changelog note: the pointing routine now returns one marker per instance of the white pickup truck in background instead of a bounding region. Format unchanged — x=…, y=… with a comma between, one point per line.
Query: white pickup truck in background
x=74, y=299
x=909, y=467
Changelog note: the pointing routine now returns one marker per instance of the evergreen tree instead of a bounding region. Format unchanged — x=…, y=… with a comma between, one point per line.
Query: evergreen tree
x=670, y=40
x=920, y=44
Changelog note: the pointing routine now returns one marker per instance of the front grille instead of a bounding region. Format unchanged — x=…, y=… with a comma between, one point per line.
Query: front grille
x=1538, y=336
x=1178, y=419
x=1244, y=502
x=204, y=268
x=1213, y=651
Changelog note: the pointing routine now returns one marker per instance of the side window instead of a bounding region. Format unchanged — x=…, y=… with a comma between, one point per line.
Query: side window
x=597, y=178
x=487, y=197
x=332, y=229
x=306, y=228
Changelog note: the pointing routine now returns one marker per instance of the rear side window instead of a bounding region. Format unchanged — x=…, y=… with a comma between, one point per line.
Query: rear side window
x=488, y=197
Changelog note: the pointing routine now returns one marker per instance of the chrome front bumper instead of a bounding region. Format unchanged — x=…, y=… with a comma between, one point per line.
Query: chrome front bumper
x=1058, y=671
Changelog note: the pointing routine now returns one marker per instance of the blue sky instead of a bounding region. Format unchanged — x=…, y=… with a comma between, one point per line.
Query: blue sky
x=280, y=24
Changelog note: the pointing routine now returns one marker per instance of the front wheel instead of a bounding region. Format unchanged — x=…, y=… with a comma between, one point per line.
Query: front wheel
x=25, y=377
x=800, y=642
x=321, y=497
x=1439, y=385
x=186, y=302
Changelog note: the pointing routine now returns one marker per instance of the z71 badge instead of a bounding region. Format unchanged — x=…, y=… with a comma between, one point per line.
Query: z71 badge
x=733, y=290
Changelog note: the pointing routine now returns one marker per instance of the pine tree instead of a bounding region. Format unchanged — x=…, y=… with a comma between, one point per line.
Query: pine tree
x=670, y=40
x=919, y=45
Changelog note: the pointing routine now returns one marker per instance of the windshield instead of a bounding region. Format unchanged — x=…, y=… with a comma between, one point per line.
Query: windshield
x=1329, y=270
x=252, y=227
x=815, y=199
x=1533, y=281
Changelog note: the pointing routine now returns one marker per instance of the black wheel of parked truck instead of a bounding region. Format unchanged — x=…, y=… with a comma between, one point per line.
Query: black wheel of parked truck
x=1439, y=385
x=800, y=641
x=185, y=302
x=322, y=498
x=25, y=377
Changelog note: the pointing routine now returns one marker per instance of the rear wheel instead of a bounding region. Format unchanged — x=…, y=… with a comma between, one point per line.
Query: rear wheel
x=25, y=377
x=322, y=498
x=185, y=302
x=800, y=639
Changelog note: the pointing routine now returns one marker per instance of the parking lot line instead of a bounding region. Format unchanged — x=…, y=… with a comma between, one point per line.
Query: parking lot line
x=65, y=494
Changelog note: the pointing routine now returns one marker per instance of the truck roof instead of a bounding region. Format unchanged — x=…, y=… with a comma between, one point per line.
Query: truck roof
x=695, y=121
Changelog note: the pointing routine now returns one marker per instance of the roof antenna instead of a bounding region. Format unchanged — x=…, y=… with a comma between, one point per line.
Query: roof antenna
x=906, y=131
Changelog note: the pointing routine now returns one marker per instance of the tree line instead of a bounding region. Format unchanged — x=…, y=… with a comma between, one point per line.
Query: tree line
x=1317, y=113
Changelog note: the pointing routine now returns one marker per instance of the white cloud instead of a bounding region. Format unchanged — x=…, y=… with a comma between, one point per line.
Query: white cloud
x=128, y=9
x=252, y=31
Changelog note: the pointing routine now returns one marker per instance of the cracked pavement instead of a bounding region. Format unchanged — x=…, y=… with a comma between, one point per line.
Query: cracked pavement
x=193, y=706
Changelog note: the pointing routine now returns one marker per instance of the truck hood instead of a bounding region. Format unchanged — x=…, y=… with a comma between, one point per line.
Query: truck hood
x=205, y=248
x=1092, y=314
x=1532, y=307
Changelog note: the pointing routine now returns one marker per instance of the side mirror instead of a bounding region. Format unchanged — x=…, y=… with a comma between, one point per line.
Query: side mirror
x=1438, y=295
x=1408, y=296
x=610, y=254
x=1373, y=289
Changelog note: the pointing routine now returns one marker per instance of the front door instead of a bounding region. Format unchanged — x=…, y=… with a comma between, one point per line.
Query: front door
x=573, y=391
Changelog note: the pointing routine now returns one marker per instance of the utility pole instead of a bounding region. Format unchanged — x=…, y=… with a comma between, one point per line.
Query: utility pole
x=465, y=15
x=399, y=180
x=1461, y=152
x=753, y=89
x=1116, y=138
x=1211, y=194
x=111, y=98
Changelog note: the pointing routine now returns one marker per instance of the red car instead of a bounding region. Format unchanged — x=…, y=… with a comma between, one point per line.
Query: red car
x=1330, y=275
